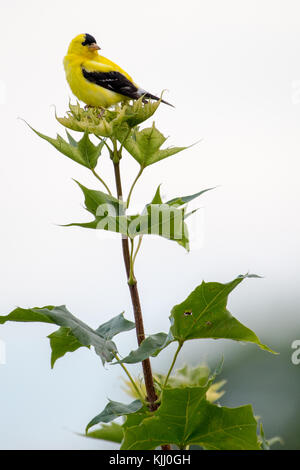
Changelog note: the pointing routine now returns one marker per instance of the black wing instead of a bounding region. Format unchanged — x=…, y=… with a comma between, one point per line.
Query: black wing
x=113, y=81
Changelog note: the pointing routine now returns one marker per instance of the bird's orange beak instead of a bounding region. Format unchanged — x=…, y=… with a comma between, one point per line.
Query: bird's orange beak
x=94, y=47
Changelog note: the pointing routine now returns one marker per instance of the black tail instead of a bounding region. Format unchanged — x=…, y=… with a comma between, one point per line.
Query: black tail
x=153, y=97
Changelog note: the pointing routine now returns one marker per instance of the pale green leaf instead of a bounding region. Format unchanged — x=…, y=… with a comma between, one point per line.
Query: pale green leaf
x=150, y=346
x=107, y=210
x=197, y=376
x=113, y=410
x=28, y=315
x=204, y=314
x=180, y=201
x=111, y=432
x=61, y=316
x=89, y=151
x=163, y=220
x=156, y=219
x=140, y=111
x=61, y=342
x=157, y=197
x=115, y=326
x=185, y=417
x=83, y=152
x=144, y=145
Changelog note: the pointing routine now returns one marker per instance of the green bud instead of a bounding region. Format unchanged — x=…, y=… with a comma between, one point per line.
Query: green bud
x=91, y=120
x=108, y=122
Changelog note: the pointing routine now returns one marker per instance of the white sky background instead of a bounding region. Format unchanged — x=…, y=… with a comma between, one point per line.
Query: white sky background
x=233, y=71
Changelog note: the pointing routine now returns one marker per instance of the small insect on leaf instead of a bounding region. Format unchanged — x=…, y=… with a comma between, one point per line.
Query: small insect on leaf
x=188, y=312
x=208, y=323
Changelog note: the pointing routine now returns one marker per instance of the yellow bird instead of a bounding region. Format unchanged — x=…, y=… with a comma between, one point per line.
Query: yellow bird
x=95, y=80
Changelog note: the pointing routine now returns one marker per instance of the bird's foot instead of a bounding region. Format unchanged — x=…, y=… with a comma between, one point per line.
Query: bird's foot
x=99, y=116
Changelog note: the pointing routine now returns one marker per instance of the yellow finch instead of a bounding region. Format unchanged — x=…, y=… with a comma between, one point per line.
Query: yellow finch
x=95, y=80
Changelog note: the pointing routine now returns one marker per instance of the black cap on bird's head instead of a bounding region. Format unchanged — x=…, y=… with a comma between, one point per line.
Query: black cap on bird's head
x=83, y=45
x=90, y=42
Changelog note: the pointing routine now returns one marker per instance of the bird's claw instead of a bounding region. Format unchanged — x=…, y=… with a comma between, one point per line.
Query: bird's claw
x=99, y=116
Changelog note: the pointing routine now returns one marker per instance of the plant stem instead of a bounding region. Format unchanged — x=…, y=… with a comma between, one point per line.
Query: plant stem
x=139, y=324
x=133, y=185
x=173, y=363
x=137, y=249
x=102, y=181
x=122, y=143
x=130, y=378
x=132, y=279
x=138, y=316
x=105, y=143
